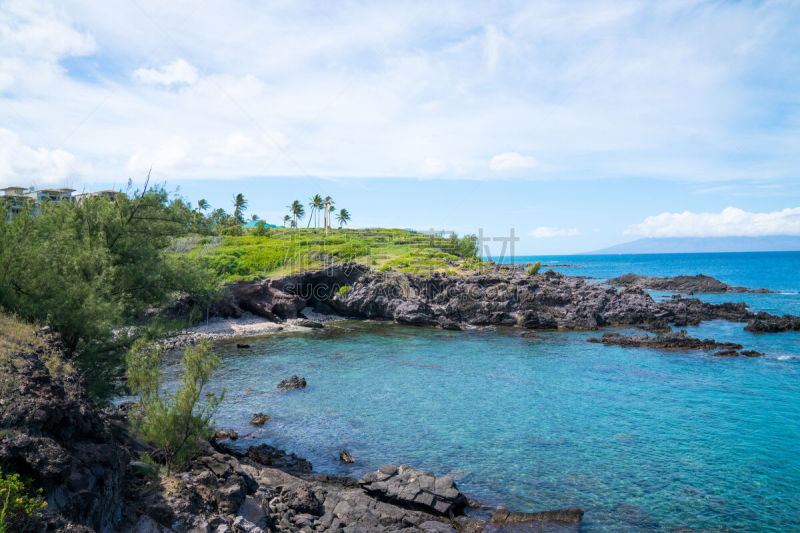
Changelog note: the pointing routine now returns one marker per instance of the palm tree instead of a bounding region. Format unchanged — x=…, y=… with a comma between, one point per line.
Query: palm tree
x=343, y=216
x=253, y=217
x=202, y=205
x=327, y=202
x=297, y=211
x=239, y=207
x=314, y=203
x=319, y=204
x=286, y=219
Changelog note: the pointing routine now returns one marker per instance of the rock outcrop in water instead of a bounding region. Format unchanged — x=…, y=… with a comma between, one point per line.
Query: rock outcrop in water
x=292, y=383
x=670, y=341
x=699, y=284
x=766, y=323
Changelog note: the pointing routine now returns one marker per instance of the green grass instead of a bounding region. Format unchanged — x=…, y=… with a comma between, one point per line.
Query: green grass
x=284, y=251
x=17, y=336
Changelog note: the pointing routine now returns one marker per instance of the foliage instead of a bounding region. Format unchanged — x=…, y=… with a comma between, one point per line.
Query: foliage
x=534, y=268
x=239, y=207
x=344, y=289
x=283, y=251
x=173, y=422
x=85, y=268
x=343, y=216
x=17, y=505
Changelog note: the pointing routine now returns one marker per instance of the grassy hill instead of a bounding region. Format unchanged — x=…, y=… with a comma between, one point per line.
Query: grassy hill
x=282, y=251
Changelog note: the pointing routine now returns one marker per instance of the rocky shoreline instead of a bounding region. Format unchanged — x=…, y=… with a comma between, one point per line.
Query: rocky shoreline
x=502, y=297
x=89, y=469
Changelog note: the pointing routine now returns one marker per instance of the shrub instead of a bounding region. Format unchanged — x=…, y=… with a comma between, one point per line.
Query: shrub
x=385, y=268
x=174, y=422
x=226, y=264
x=352, y=250
x=17, y=507
x=343, y=289
x=534, y=268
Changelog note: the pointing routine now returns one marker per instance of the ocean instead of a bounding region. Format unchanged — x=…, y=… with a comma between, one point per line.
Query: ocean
x=642, y=440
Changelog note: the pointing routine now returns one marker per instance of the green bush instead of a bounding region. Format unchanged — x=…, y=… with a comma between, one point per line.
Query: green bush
x=343, y=289
x=534, y=268
x=350, y=251
x=17, y=507
x=226, y=264
x=174, y=422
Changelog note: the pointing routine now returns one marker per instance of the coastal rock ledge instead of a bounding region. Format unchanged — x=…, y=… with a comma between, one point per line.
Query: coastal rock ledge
x=415, y=489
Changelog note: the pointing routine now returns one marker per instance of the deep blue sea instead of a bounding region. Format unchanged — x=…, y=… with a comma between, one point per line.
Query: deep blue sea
x=642, y=440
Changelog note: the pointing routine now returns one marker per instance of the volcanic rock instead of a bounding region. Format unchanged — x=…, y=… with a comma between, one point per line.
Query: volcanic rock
x=670, y=341
x=699, y=284
x=415, y=489
x=292, y=383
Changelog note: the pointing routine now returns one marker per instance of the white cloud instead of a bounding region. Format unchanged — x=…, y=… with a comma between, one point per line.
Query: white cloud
x=600, y=88
x=38, y=31
x=731, y=222
x=433, y=166
x=511, y=161
x=547, y=232
x=24, y=165
x=165, y=157
x=179, y=71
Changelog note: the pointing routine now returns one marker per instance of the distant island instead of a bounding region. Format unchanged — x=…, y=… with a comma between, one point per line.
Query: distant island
x=687, y=245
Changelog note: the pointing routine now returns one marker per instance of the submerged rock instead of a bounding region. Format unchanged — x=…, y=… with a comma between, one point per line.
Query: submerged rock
x=699, y=284
x=226, y=434
x=259, y=419
x=306, y=323
x=568, y=515
x=415, y=489
x=734, y=353
x=292, y=383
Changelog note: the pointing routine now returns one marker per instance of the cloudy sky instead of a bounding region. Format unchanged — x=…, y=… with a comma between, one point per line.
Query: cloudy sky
x=578, y=124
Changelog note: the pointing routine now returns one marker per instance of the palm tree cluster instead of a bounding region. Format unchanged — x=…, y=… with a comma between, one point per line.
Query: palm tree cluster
x=317, y=205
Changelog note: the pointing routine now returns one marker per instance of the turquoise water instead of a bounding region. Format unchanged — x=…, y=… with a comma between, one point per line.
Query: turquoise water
x=642, y=440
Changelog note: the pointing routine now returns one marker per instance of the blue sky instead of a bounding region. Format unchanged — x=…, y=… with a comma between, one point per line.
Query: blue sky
x=579, y=124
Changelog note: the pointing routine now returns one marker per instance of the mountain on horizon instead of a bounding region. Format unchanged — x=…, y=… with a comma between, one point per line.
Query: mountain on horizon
x=677, y=245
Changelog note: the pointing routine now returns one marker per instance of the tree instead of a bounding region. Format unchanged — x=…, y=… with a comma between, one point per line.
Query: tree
x=328, y=206
x=286, y=219
x=84, y=268
x=174, y=422
x=297, y=211
x=239, y=207
x=315, y=204
x=202, y=205
x=343, y=216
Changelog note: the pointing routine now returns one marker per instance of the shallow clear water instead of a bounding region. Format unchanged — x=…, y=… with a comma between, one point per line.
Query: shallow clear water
x=642, y=440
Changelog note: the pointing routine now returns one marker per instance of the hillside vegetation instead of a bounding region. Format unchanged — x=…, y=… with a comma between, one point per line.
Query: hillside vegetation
x=281, y=251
